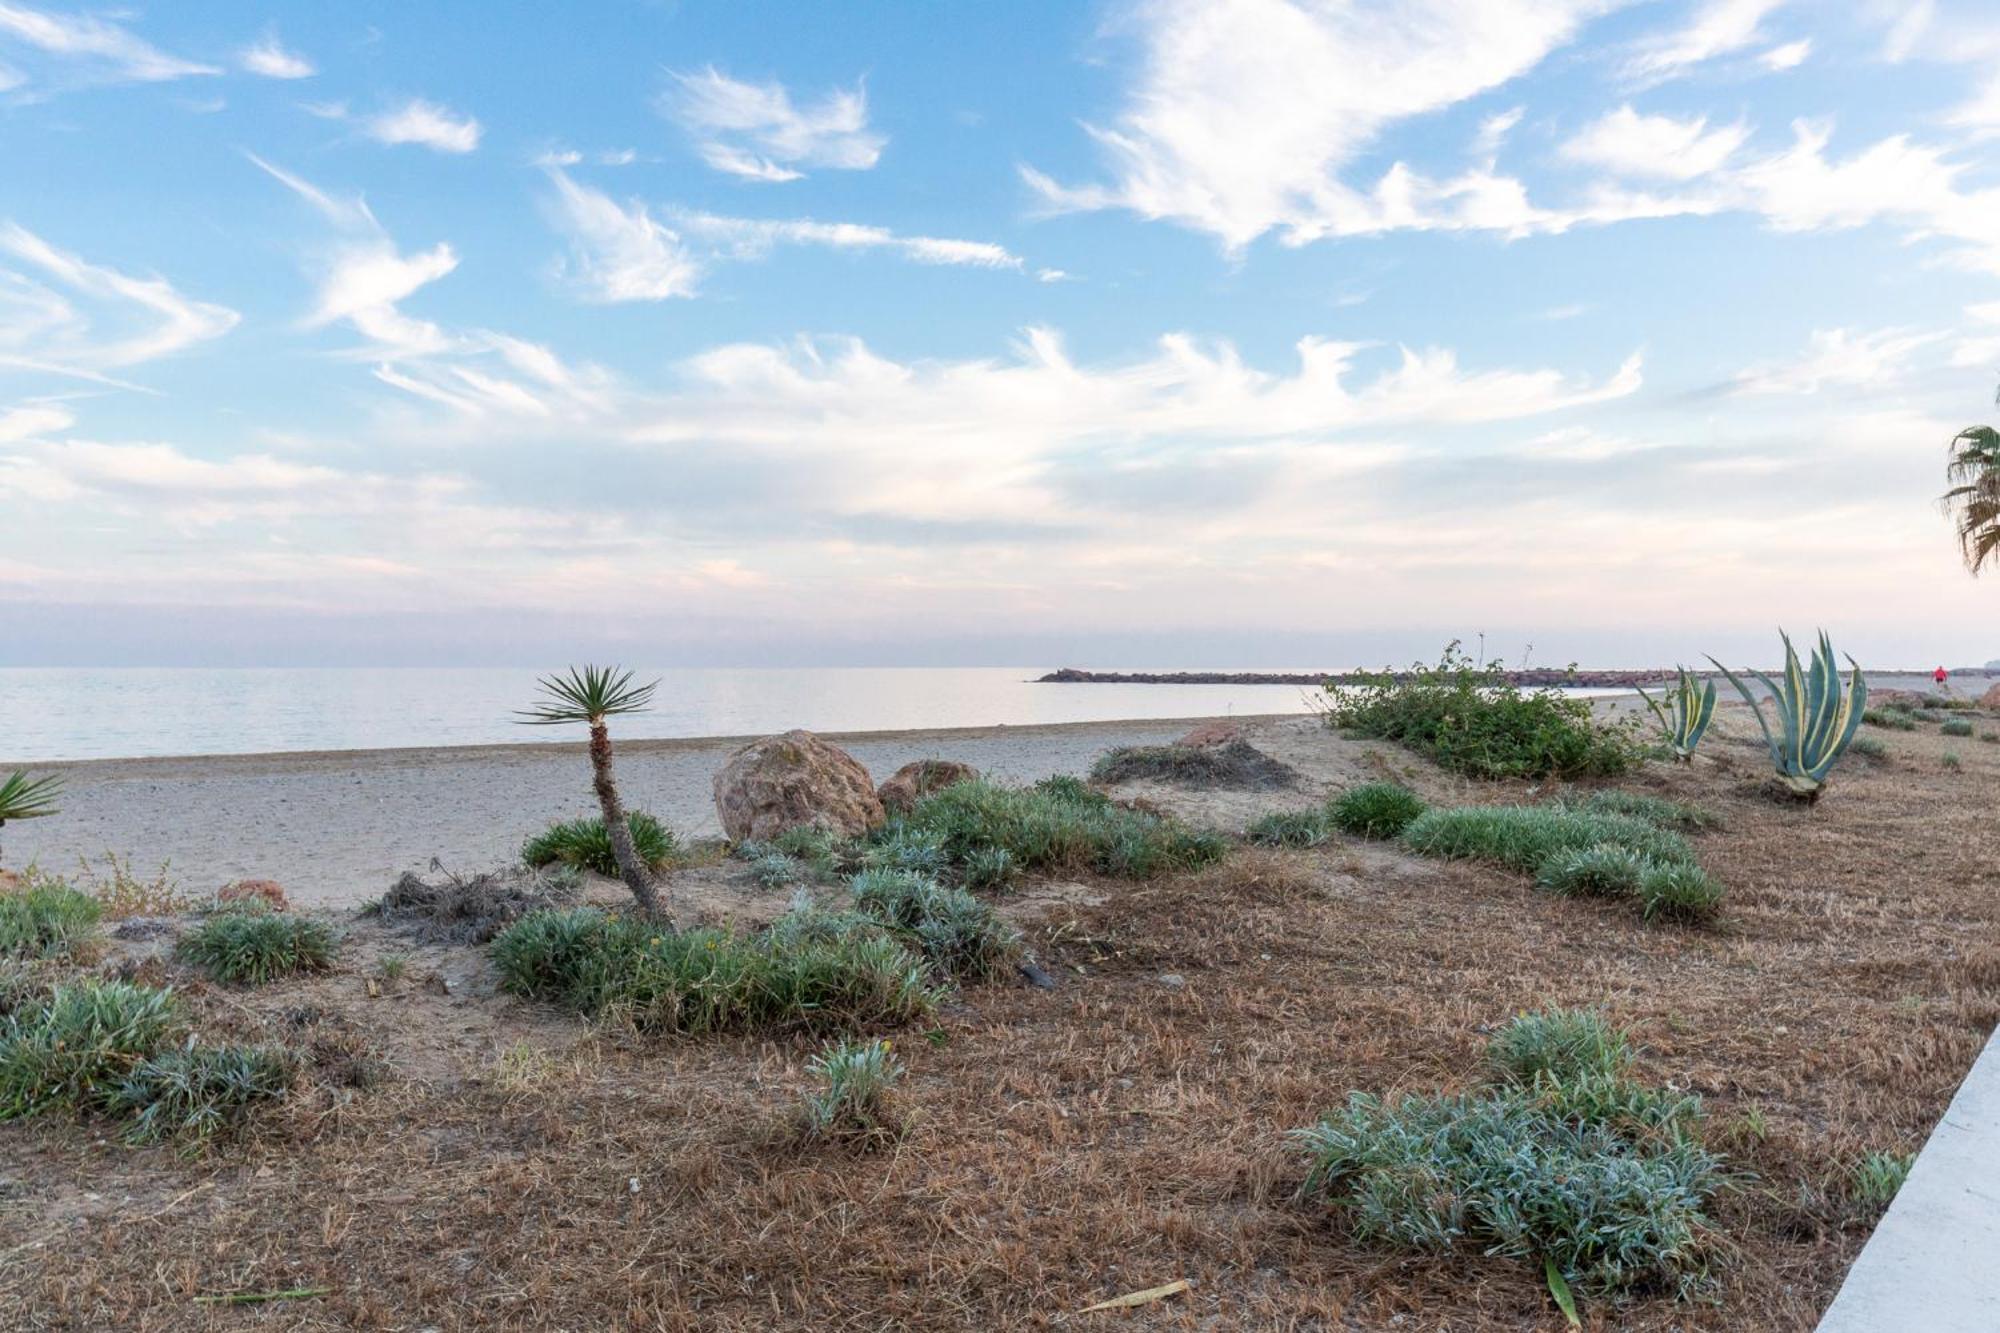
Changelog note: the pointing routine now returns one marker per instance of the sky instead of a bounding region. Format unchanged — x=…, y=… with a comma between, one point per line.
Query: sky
x=1171, y=333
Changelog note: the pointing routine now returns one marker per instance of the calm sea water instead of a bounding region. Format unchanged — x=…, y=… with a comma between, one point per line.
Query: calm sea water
x=50, y=713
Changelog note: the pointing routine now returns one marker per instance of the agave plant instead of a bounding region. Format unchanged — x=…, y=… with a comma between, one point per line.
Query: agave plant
x=22, y=797
x=590, y=694
x=1684, y=712
x=1817, y=715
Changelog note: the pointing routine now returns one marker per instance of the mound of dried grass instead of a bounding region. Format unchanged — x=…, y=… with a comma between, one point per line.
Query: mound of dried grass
x=470, y=911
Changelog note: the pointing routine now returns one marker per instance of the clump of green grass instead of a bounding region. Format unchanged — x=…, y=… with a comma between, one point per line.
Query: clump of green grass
x=1565, y=1161
x=69, y=1049
x=585, y=845
x=1875, y=1180
x=1375, y=810
x=1467, y=717
x=1679, y=893
x=919, y=851
x=1522, y=837
x=1870, y=749
x=1603, y=871
x=987, y=868
x=1895, y=719
x=46, y=918
x=775, y=870
x=625, y=970
x=958, y=934
x=1951, y=760
x=191, y=1093
x=1990, y=737
x=1927, y=714
x=1289, y=828
x=1956, y=726
x=1680, y=816
x=1235, y=764
x=853, y=1101
x=242, y=945
x=1059, y=824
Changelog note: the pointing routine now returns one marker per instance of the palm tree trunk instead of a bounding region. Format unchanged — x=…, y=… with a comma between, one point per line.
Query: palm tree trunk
x=630, y=868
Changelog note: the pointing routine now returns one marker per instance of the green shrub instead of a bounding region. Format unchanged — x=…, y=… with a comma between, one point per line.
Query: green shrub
x=853, y=1099
x=1957, y=726
x=1469, y=718
x=1374, y=810
x=774, y=870
x=705, y=981
x=920, y=851
x=1927, y=715
x=1951, y=760
x=958, y=934
x=1288, y=828
x=1603, y=871
x=1564, y=1044
x=1681, y=816
x=987, y=868
x=1603, y=1178
x=1875, y=1180
x=1522, y=837
x=241, y=944
x=1058, y=824
x=1870, y=749
x=191, y=1093
x=1895, y=719
x=1990, y=737
x=47, y=919
x=70, y=1048
x=1678, y=892
x=584, y=844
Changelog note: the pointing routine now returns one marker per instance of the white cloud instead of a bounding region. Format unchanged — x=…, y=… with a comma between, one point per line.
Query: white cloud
x=267, y=56
x=1246, y=112
x=1789, y=56
x=1839, y=358
x=33, y=420
x=425, y=123
x=104, y=47
x=1981, y=112
x=618, y=251
x=754, y=130
x=40, y=329
x=752, y=237
x=1716, y=28
x=1629, y=144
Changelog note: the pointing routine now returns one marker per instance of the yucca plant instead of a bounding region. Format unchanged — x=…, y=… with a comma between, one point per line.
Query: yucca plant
x=22, y=797
x=1817, y=715
x=1684, y=712
x=589, y=695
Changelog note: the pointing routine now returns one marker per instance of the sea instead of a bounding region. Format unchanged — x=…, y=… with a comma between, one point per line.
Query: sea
x=128, y=712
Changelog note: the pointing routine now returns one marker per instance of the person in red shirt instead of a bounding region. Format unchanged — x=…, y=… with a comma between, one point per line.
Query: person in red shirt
x=1939, y=676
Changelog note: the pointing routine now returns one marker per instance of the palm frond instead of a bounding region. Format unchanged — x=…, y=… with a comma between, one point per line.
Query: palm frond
x=24, y=798
x=1973, y=499
x=587, y=694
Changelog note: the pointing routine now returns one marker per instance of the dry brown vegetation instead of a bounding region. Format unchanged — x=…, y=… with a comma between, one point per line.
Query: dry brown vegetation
x=460, y=1160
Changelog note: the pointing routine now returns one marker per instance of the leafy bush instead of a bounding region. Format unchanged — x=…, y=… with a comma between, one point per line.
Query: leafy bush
x=1522, y=837
x=1469, y=718
x=1895, y=719
x=191, y=1093
x=1569, y=1162
x=1951, y=760
x=1870, y=749
x=959, y=935
x=1057, y=824
x=1375, y=809
x=247, y=945
x=1675, y=892
x=47, y=919
x=920, y=851
x=1956, y=726
x=1603, y=871
x=1875, y=1180
x=1288, y=828
x=705, y=981
x=71, y=1047
x=1681, y=816
x=853, y=1100
x=987, y=868
x=1927, y=714
x=1564, y=1044
x=774, y=870
x=584, y=844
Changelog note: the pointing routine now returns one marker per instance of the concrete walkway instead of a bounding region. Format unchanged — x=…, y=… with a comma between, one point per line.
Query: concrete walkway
x=1933, y=1263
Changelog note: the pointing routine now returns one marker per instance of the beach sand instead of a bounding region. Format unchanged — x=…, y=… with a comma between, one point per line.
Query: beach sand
x=338, y=827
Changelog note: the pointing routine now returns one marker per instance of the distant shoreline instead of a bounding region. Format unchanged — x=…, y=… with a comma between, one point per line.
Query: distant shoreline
x=1581, y=678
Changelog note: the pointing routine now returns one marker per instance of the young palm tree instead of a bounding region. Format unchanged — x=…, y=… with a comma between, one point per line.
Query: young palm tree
x=1974, y=497
x=22, y=798
x=589, y=695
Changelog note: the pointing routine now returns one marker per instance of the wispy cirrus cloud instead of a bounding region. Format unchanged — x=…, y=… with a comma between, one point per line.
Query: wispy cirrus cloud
x=1716, y=28
x=98, y=49
x=425, y=124
x=1662, y=147
x=270, y=58
x=756, y=131
x=1839, y=358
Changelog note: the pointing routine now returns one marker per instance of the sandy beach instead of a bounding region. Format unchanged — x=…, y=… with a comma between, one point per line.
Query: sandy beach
x=339, y=827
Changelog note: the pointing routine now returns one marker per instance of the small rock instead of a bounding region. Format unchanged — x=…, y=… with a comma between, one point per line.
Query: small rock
x=1212, y=733
x=1172, y=980
x=1036, y=977
x=269, y=891
x=912, y=782
x=143, y=928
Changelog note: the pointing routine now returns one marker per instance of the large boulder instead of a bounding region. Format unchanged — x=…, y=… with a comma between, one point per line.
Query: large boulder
x=1990, y=699
x=912, y=782
x=793, y=781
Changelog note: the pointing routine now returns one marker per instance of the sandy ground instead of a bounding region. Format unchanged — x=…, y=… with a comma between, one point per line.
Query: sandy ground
x=339, y=827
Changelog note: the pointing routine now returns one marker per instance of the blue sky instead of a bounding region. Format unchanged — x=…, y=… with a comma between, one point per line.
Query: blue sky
x=1167, y=333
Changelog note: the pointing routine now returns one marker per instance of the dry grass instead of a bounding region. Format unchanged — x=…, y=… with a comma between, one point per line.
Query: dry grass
x=516, y=1169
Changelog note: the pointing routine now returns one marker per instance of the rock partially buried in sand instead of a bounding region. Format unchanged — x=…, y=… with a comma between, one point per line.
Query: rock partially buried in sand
x=1990, y=699
x=269, y=892
x=913, y=782
x=1212, y=733
x=795, y=780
